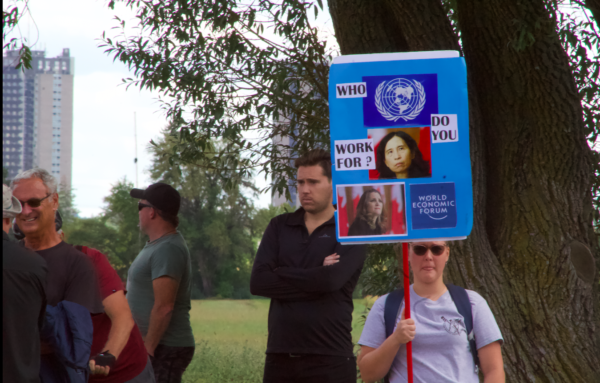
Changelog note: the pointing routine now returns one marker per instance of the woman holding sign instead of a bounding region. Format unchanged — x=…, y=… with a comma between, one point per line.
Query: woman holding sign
x=369, y=215
x=440, y=344
x=398, y=156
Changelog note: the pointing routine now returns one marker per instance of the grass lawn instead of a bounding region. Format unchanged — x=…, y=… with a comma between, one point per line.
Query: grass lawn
x=231, y=339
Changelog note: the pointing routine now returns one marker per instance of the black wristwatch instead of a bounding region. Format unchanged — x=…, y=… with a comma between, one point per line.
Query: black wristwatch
x=105, y=358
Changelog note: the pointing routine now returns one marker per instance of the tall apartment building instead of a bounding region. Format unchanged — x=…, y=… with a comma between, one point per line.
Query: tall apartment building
x=37, y=114
x=285, y=141
x=278, y=199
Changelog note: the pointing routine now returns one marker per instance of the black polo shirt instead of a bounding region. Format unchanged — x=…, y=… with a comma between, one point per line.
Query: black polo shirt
x=311, y=304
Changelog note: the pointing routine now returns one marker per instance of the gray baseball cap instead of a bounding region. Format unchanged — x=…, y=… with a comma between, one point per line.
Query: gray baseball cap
x=10, y=205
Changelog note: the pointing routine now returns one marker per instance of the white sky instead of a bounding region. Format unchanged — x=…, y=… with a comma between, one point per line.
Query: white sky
x=103, y=110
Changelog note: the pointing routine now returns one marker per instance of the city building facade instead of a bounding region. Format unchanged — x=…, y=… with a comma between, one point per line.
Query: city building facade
x=278, y=199
x=37, y=114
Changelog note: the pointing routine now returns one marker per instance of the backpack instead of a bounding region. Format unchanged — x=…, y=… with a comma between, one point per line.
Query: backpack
x=393, y=302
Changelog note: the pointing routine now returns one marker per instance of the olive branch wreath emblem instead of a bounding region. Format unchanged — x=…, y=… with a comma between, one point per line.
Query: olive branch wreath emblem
x=412, y=115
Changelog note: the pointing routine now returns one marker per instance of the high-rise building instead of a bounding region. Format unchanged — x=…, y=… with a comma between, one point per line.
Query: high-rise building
x=286, y=144
x=37, y=114
x=278, y=199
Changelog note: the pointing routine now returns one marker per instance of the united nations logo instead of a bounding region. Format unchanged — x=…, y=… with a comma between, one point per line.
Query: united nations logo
x=400, y=98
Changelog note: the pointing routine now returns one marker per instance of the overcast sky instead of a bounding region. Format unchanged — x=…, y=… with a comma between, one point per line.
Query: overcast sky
x=103, y=110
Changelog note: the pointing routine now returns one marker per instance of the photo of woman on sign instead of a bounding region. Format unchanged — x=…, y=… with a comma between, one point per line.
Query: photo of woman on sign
x=369, y=215
x=371, y=210
x=398, y=156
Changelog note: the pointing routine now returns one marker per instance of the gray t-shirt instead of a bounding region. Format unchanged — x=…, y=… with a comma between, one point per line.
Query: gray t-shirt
x=440, y=347
x=166, y=256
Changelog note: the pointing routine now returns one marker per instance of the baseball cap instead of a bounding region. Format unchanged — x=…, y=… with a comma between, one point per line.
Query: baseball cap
x=162, y=196
x=10, y=205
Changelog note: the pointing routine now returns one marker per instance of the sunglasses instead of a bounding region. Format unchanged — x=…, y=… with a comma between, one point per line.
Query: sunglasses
x=142, y=205
x=435, y=249
x=34, y=202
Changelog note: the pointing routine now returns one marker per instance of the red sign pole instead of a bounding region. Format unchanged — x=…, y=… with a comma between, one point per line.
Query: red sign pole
x=409, y=364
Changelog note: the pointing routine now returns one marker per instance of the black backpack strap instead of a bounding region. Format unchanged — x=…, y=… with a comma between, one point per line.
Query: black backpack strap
x=391, y=310
x=390, y=315
x=463, y=304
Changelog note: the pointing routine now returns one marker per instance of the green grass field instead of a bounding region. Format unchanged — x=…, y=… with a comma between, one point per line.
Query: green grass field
x=231, y=339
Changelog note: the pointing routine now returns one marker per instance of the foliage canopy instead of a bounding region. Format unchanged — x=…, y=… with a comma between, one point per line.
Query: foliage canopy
x=221, y=227
x=246, y=74
x=251, y=73
x=11, y=15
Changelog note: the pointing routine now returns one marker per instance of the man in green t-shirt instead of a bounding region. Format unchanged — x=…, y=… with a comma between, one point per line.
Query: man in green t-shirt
x=159, y=284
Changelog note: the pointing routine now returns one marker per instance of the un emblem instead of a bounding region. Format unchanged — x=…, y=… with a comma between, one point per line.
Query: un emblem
x=400, y=99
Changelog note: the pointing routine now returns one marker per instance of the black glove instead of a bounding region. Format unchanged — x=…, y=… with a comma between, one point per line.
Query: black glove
x=105, y=358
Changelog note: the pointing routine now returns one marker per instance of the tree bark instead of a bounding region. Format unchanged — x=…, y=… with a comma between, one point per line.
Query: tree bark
x=531, y=174
x=538, y=199
x=207, y=279
x=594, y=7
x=365, y=27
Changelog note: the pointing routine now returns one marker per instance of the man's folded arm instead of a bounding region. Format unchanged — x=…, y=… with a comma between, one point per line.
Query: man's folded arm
x=264, y=281
x=326, y=279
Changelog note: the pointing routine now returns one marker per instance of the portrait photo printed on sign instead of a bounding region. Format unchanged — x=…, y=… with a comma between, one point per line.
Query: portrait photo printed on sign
x=401, y=153
x=371, y=210
x=400, y=100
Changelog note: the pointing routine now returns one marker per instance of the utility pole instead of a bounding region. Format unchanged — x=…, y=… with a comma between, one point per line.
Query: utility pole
x=135, y=160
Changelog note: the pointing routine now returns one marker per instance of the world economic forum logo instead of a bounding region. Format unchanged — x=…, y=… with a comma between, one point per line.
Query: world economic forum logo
x=433, y=206
x=400, y=98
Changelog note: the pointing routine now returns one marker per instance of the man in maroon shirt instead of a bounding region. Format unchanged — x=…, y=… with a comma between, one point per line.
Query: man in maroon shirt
x=117, y=340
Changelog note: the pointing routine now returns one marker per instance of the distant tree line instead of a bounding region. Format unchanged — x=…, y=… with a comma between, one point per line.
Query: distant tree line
x=222, y=227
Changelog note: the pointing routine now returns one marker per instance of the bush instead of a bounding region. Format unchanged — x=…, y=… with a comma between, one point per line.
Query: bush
x=224, y=290
x=242, y=293
x=196, y=293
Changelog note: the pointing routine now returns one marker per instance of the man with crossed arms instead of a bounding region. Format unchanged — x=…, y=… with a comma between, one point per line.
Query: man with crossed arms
x=310, y=278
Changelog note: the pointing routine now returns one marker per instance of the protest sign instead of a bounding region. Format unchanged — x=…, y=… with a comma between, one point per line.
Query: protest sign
x=400, y=144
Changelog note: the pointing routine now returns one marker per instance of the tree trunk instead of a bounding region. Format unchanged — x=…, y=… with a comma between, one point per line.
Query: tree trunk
x=594, y=7
x=538, y=201
x=207, y=279
x=531, y=174
x=360, y=24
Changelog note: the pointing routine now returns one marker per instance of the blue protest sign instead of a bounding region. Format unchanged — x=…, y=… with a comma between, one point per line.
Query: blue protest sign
x=400, y=145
